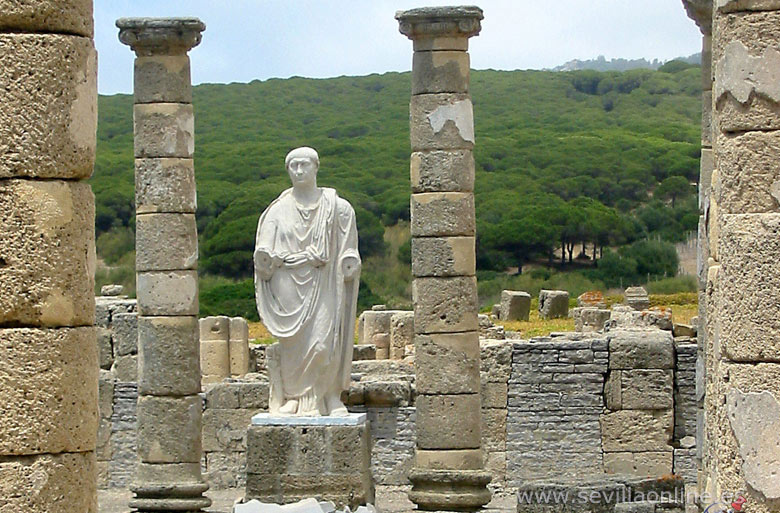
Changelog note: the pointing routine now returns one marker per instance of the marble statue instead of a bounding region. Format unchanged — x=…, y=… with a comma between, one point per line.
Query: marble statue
x=307, y=269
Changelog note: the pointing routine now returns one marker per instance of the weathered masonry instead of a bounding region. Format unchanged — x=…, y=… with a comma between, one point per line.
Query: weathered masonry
x=48, y=353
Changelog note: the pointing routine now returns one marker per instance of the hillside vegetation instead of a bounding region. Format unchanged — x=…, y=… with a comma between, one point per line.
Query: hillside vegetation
x=569, y=165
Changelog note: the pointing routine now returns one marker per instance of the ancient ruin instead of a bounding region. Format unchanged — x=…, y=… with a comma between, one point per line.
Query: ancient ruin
x=448, y=472
x=117, y=393
x=48, y=350
x=168, y=476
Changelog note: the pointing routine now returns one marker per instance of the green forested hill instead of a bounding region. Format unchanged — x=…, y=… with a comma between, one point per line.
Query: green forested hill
x=604, y=159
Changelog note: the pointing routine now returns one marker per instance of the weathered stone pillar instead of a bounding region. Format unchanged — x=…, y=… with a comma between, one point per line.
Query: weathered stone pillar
x=168, y=477
x=701, y=12
x=742, y=404
x=448, y=472
x=48, y=350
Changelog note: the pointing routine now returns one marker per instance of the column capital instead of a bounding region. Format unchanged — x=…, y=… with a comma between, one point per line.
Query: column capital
x=160, y=36
x=440, y=22
x=700, y=11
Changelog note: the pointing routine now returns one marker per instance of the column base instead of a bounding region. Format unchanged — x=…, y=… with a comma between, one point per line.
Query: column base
x=449, y=490
x=169, y=487
x=148, y=504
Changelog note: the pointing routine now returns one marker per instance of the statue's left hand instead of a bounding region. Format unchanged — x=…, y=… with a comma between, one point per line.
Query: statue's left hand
x=350, y=267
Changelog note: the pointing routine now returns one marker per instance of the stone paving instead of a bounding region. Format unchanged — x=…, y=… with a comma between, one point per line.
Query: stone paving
x=390, y=499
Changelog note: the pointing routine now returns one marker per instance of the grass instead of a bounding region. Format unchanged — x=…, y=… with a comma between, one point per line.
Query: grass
x=684, y=306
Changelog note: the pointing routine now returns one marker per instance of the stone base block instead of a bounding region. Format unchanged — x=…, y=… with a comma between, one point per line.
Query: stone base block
x=641, y=349
x=47, y=251
x=48, y=390
x=449, y=490
x=49, y=98
x=169, y=487
x=515, y=306
x=637, y=430
x=169, y=429
x=448, y=421
x=62, y=483
x=644, y=464
x=286, y=463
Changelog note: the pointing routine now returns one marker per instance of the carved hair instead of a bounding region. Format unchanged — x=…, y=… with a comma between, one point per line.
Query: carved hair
x=304, y=152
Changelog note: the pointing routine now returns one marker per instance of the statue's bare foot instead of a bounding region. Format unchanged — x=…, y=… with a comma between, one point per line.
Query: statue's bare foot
x=289, y=408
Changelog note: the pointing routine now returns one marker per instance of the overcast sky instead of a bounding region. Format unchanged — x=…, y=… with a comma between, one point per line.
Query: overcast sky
x=260, y=39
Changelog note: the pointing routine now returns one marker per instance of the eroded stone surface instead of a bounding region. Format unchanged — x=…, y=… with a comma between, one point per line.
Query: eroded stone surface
x=749, y=172
x=49, y=385
x=440, y=72
x=162, y=79
x=164, y=130
x=157, y=441
x=445, y=305
x=443, y=214
x=47, y=253
x=749, y=325
x=49, y=117
x=165, y=185
x=167, y=293
x=443, y=256
x=442, y=171
x=447, y=363
x=515, y=305
x=62, y=483
x=64, y=16
x=637, y=430
x=448, y=421
x=442, y=121
x=755, y=420
x=168, y=356
x=166, y=242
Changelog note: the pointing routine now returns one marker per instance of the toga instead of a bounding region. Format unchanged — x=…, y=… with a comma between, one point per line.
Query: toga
x=309, y=307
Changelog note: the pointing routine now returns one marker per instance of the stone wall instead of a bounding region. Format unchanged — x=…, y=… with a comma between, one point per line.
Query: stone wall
x=117, y=321
x=555, y=399
x=543, y=407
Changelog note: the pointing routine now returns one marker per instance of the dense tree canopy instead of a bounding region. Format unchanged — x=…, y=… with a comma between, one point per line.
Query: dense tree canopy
x=568, y=163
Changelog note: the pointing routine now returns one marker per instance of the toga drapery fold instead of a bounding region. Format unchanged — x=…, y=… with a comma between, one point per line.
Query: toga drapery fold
x=310, y=306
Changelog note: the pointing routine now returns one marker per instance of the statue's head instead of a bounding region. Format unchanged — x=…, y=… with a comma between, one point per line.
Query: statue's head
x=302, y=165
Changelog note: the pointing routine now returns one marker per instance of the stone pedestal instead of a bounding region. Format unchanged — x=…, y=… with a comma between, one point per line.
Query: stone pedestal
x=293, y=458
x=448, y=472
x=168, y=477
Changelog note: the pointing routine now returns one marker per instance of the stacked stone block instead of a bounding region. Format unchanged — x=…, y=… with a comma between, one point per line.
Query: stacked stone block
x=375, y=327
x=742, y=303
x=224, y=348
x=553, y=304
x=228, y=412
x=49, y=359
x=555, y=400
x=449, y=459
x=495, y=368
x=168, y=476
x=515, y=305
x=637, y=427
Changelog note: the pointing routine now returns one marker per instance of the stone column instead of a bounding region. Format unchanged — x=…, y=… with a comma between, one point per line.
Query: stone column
x=742, y=404
x=448, y=472
x=168, y=477
x=701, y=12
x=48, y=350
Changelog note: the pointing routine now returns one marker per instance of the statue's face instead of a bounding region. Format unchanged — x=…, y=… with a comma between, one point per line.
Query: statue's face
x=302, y=171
